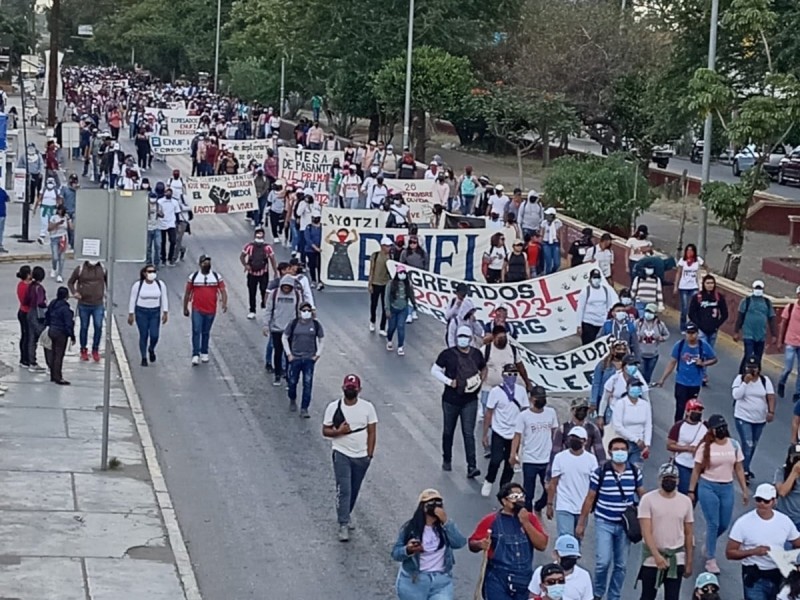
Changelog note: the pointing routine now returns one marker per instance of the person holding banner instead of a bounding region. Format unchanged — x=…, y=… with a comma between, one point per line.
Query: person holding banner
x=312, y=237
x=399, y=300
x=495, y=259
x=350, y=186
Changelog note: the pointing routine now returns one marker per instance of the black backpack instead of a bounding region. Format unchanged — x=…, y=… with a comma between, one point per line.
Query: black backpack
x=258, y=257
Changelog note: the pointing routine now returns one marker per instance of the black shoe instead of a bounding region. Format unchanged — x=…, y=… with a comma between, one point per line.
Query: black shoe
x=781, y=390
x=487, y=454
x=152, y=356
x=473, y=473
x=446, y=466
x=268, y=367
x=62, y=382
x=144, y=362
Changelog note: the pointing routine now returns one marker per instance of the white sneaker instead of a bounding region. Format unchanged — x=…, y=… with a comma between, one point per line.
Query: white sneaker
x=3, y=387
x=414, y=315
x=409, y=319
x=389, y=346
x=486, y=489
x=59, y=279
x=53, y=274
x=400, y=351
x=251, y=315
x=382, y=332
x=372, y=327
x=195, y=361
x=204, y=358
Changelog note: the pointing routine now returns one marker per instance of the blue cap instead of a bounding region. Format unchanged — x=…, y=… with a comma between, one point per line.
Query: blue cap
x=567, y=545
x=705, y=579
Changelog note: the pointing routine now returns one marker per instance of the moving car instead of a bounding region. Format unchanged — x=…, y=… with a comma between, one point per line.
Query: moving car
x=789, y=170
x=746, y=158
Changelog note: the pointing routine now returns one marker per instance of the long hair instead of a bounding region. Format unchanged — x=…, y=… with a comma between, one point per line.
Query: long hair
x=707, y=440
x=495, y=239
x=414, y=527
x=394, y=285
x=787, y=466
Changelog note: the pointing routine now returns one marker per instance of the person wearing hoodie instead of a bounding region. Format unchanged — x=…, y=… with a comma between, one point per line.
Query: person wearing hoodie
x=708, y=310
x=399, y=303
x=88, y=284
x=465, y=317
x=594, y=303
x=283, y=307
x=621, y=327
x=60, y=321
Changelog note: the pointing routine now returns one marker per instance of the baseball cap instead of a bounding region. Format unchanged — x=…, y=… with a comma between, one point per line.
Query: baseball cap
x=595, y=273
x=428, y=495
x=579, y=432
x=510, y=368
x=316, y=213
x=758, y=284
x=705, y=579
x=464, y=331
x=567, y=545
x=550, y=211
x=499, y=187
x=691, y=328
x=651, y=308
x=766, y=491
x=203, y=258
x=694, y=405
x=579, y=403
x=385, y=241
x=751, y=362
x=351, y=382
x=715, y=421
x=551, y=569
x=668, y=470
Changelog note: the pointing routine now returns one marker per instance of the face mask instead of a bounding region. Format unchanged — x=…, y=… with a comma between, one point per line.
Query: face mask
x=621, y=316
x=309, y=200
x=721, y=432
x=205, y=269
x=649, y=272
x=259, y=240
x=580, y=413
x=669, y=485
x=50, y=186
x=555, y=591
x=635, y=392
x=350, y=394
x=150, y=276
x=619, y=355
x=695, y=417
x=568, y=562
x=758, y=293
x=709, y=596
x=595, y=282
x=401, y=276
x=626, y=301
x=631, y=370
x=575, y=444
x=619, y=456
x=397, y=202
x=539, y=403
x=463, y=342
x=649, y=316
x=509, y=381
x=305, y=314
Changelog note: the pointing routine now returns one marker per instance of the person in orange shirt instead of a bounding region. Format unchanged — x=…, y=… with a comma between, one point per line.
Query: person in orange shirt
x=535, y=253
x=790, y=337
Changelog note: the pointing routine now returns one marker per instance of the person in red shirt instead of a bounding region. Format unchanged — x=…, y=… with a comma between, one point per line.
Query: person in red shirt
x=790, y=337
x=534, y=252
x=509, y=537
x=24, y=276
x=256, y=258
x=203, y=289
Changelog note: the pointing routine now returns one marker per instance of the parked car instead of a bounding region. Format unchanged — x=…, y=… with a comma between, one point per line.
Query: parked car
x=789, y=170
x=746, y=158
x=661, y=155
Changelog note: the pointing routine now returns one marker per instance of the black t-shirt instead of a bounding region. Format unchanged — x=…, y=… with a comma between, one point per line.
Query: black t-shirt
x=460, y=365
x=577, y=251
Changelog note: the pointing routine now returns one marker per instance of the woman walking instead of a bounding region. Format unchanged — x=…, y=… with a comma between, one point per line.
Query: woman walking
x=785, y=482
x=149, y=308
x=59, y=227
x=36, y=301
x=24, y=276
x=646, y=289
x=515, y=267
x=651, y=331
x=60, y=322
x=495, y=259
x=425, y=547
x=687, y=280
x=399, y=300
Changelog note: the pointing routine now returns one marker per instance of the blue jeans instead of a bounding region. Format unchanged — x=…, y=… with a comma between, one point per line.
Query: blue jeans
x=611, y=553
x=56, y=256
x=565, y=523
x=397, y=321
x=295, y=233
x=153, y=247
x=424, y=586
x=649, y=367
x=2, y=229
x=148, y=320
x=530, y=472
x=684, y=478
x=635, y=455
x=268, y=356
x=686, y=298
x=96, y=314
x=552, y=257
x=749, y=434
x=467, y=202
x=790, y=353
x=201, y=330
x=711, y=340
x=762, y=589
x=306, y=367
x=716, y=502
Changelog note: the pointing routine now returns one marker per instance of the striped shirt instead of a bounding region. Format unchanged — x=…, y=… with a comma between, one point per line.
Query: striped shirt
x=610, y=503
x=647, y=290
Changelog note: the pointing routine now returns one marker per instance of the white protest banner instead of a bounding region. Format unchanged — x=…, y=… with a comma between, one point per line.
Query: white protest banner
x=455, y=254
x=156, y=113
x=170, y=145
x=418, y=195
x=569, y=371
x=221, y=194
x=541, y=309
x=247, y=150
x=185, y=127
x=177, y=105
x=311, y=167
x=360, y=219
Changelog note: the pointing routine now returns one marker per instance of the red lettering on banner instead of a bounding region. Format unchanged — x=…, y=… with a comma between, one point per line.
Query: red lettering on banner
x=572, y=297
x=546, y=292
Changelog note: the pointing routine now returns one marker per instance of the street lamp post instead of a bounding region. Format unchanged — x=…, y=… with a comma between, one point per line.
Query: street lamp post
x=409, y=54
x=216, y=47
x=702, y=235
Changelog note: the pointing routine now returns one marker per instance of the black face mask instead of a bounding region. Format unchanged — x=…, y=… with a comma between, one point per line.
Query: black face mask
x=350, y=393
x=695, y=417
x=721, y=432
x=709, y=596
x=669, y=485
x=619, y=355
x=581, y=413
x=502, y=342
x=568, y=562
x=539, y=403
x=575, y=443
x=430, y=507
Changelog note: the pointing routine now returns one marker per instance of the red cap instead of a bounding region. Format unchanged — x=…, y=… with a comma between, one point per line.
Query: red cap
x=694, y=405
x=351, y=382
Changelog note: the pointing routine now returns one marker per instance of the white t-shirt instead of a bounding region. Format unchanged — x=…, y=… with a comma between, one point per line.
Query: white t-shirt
x=49, y=197
x=573, y=485
x=176, y=185
x=351, y=185
x=504, y=419
x=497, y=257
x=63, y=226
x=498, y=204
x=638, y=247
x=431, y=560
x=689, y=434
x=536, y=430
x=751, y=399
x=170, y=207
x=577, y=585
x=359, y=415
x=751, y=530
x=689, y=277
x=604, y=259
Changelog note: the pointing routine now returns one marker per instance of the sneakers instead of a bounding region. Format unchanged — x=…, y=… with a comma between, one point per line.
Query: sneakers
x=712, y=566
x=36, y=369
x=409, y=319
x=62, y=382
x=59, y=279
x=144, y=362
x=382, y=332
x=372, y=327
x=446, y=466
x=53, y=274
x=96, y=356
x=389, y=346
x=195, y=360
x=84, y=355
x=486, y=489
x=400, y=351
x=320, y=287
x=277, y=381
x=344, y=533
x=204, y=358
x=251, y=315
x=781, y=390
x=414, y=315
x=292, y=406
x=152, y=356
x=304, y=413
x=473, y=473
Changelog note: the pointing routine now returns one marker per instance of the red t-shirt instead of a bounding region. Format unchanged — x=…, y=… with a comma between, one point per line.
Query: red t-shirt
x=203, y=291
x=22, y=291
x=487, y=522
x=533, y=251
x=211, y=154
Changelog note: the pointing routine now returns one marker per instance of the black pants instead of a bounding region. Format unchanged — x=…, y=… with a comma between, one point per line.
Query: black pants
x=24, y=336
x=683, y=393
x=468, y=413
x=56, y=355
x=34, y=187
x=589, y=334
x=672, y=587
x=313, y=265
x=277, y=353
x=168, y=234
x=276, y=224
x=257, y=282
x=35, y=329
x=500, y=453
x=377, y=294
x=142, y=158
x=494, y=275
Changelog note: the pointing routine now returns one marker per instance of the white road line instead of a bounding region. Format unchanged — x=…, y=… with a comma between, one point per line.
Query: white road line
x=183, y=563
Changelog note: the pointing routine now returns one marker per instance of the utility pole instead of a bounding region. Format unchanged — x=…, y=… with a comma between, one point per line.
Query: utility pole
x=52, y=83
x=216, y=48
x=409, y=55
x=702, y=234
x=283, y=85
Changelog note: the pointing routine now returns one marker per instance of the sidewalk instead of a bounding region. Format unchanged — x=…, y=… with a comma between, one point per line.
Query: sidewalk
x=67, y=529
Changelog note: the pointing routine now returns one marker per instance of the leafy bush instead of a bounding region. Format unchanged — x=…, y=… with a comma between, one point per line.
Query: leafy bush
x=599, y=191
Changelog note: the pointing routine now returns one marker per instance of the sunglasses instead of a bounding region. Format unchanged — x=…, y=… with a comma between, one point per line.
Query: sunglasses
x=762, y=501
x=149, y=271
x=554, y=581
x=514, y=496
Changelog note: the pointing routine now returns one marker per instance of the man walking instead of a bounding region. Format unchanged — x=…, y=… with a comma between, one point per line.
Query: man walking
x=203, y=290
x=755, y=314
x=283, y=307
x=170, y=209
x=256, y=258
x=351, y=423
x=88, y=284
x=569, y=483
x=302, y=340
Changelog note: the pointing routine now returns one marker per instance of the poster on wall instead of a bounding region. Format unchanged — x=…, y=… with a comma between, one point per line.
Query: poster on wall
x=221, y=194
x=310, y=167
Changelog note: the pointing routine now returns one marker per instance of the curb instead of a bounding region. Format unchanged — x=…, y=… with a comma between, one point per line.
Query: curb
x=15, y=258
x=183, y=563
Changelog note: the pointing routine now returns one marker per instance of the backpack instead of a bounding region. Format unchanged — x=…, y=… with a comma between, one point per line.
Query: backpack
x=747, y=305
x=298, y=299
x=258, y=260
x=293, y=324
x=681, y=345
x=468, y=186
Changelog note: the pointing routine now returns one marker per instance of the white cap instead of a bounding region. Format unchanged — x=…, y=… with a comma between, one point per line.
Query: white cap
x=550, y=211
x=765, y=491
x=758, y=284
x=316, y=213
x=464, y=331
x=309, y=192
x=579, y=432
x=499, y=187
x=385, y=241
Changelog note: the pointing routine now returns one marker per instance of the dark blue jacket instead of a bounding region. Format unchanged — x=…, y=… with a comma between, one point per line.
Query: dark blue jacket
x=59, y=317
x=312, y=237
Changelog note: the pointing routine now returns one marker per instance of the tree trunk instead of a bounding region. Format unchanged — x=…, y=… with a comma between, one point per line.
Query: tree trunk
x=734, y=257
x=519, y=168
x=374, y=127
x=418, y=134
x=545, y=147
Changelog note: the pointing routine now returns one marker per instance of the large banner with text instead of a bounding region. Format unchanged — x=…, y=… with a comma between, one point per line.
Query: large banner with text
x=339, y=218
x=418, y=195
x=221, y=194
x=569, y=371
x=310, y=167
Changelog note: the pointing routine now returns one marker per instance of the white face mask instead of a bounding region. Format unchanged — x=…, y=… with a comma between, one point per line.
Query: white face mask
x=259, y=240
x=621, y=316
x=626, y=301
x=305, y=314
x=463, y=342
x=594, y=282
x=649, y=272
x=758, y=293
x=401, y=276
x=50, y=186
x=151, y=276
